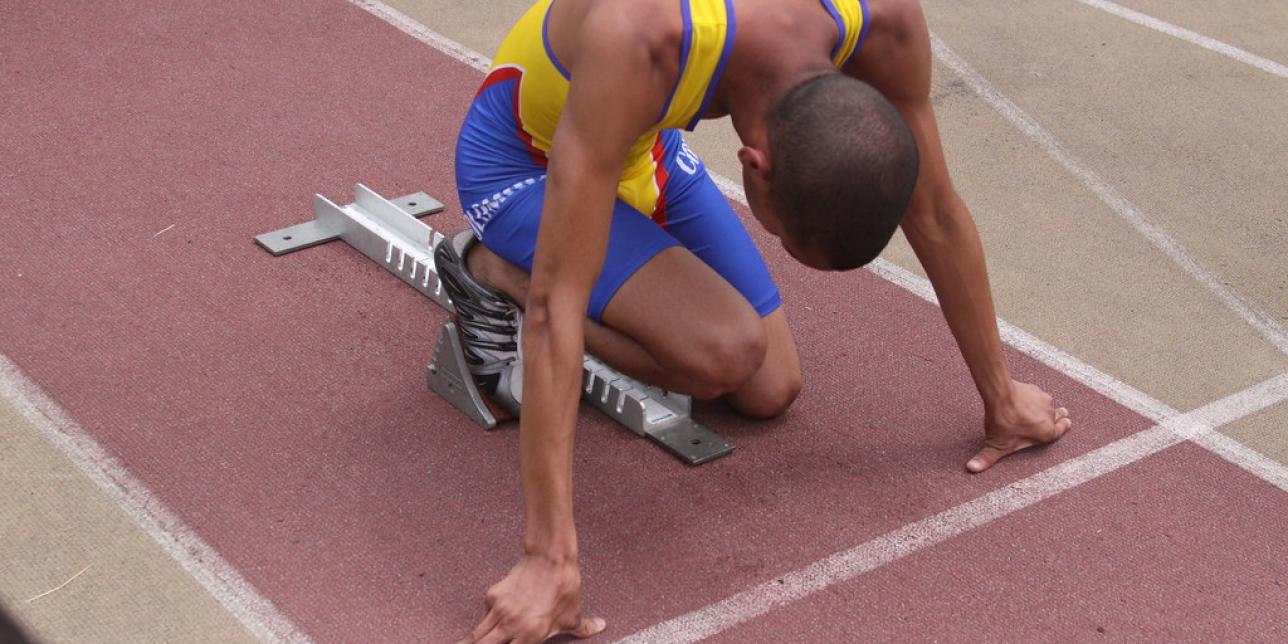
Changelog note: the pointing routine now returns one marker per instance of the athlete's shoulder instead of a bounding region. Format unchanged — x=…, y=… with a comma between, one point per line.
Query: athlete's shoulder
x=895, y=55
x=655, y=24
x=895, y=23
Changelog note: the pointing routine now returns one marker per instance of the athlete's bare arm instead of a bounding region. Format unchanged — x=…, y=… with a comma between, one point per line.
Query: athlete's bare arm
x=603, y=115
x=896, y=59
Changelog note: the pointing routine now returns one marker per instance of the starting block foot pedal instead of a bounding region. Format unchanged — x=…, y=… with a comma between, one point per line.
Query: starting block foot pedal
x=450, y=378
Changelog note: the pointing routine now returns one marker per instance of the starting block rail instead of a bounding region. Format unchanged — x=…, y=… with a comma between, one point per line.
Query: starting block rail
x=390, y=233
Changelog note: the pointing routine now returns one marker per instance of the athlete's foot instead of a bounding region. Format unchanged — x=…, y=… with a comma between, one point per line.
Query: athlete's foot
x=489, y=324
x=1030, y=419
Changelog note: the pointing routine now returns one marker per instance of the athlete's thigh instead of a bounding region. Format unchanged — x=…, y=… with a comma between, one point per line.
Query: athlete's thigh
x=650, y=287
x=647, y=276
x=677, y=308
x=700, y=217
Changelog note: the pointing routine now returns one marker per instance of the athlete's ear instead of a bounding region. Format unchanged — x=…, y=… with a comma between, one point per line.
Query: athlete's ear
x=755, y=162
x=755, y=183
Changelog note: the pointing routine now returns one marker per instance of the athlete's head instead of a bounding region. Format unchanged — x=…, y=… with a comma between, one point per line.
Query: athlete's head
x=837, y=175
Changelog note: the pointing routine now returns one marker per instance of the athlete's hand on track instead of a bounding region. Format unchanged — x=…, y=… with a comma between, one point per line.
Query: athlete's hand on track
x=1029, y=418
x=538, y=600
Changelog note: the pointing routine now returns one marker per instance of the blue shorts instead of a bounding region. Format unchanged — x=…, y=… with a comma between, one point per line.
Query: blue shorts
x=502, y=195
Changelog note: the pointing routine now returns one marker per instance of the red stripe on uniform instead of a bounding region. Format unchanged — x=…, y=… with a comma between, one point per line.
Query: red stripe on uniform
x=660, y=177
x=502, y=74
x=498, y=75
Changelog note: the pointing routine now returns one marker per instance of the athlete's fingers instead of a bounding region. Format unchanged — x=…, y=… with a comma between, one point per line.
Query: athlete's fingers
x=495, y=636
x=1063, y=425
x=587, y=627
x=489, y=622
x=985, y=459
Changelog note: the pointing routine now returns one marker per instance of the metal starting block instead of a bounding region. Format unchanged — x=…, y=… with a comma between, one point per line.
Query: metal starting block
x=389, y=233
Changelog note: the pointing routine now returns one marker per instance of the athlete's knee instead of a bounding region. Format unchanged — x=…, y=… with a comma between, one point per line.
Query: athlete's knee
x=724, y=356
x=772, y=397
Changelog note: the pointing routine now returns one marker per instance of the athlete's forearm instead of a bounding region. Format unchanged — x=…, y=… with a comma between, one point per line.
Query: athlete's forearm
x=600, y=120
x=552, y=375
x=571, y=244
x=948, y=245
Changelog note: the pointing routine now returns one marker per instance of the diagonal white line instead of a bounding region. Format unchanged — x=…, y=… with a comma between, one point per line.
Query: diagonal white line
x=1254, y=462
x=1247, y=58
x=215, y=574
x=1240, y=404
x=889, y=547
x=411, y=27
x=892, y=546
x=1245, y=457
x=1263, y=322
x=1085, y=374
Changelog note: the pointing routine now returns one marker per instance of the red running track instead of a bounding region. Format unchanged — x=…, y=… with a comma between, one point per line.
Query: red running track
x=278, y=405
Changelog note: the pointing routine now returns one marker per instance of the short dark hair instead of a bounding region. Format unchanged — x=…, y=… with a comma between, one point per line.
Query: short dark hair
x=844, y=166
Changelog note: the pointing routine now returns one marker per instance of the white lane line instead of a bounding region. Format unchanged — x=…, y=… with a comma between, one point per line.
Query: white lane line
x=1262, y=466
x=1245, y=457
x=892, y=546
x=1263, y=322
x=411, y=27
x=215, y=574
x=1097, y=380
x=1247, y=58
x=1241, y=404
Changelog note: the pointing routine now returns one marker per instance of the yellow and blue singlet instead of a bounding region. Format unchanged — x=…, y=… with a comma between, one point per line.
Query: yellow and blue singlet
x=539, y=86
x=505, y=142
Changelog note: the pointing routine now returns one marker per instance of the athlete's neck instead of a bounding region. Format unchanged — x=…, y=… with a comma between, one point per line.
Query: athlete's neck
x=777, y=44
